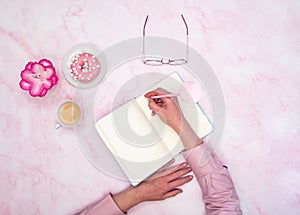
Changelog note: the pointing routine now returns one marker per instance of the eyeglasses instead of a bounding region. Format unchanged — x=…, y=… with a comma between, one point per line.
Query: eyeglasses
x=156, y=61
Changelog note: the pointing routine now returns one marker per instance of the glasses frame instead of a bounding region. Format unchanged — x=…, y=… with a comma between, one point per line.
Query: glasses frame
x=157, y=61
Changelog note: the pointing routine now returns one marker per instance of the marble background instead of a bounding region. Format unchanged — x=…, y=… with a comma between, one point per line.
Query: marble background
x=254, y=48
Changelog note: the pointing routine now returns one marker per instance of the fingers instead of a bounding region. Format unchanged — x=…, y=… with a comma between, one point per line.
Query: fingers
x=153, y=106
x=180, y=181
x=157, y=105
x=172, y=193
x=179, y=173
x=166, y=182
x=163, y=171
x=171, y=170
x=160, y=101
x=151, y=93
x=175, y=168
x=157, y=92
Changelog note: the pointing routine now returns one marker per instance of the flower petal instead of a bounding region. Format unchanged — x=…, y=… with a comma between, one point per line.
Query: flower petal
x=26, y=75
x=36, y=89
x=37, y=68
x=24, y=85
x=45, y=62
x=47, y=84
x=43, y=93
x=54, y=80
x=29, y=65
x=49, y=72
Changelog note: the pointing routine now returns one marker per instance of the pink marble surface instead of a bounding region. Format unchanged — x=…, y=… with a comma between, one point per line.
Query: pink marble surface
x=254, y=48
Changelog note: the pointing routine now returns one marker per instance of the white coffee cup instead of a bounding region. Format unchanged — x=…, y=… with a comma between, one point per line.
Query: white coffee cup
x=68, y=114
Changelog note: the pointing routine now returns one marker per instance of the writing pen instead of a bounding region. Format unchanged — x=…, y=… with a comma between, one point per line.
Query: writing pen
x=165, y=96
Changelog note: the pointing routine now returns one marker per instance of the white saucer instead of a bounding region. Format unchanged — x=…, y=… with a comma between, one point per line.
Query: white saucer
x=79, y=48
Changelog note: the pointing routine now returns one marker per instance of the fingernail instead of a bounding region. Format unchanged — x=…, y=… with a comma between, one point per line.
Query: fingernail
x=189, y=169
x=185, y=164
x=190, y=177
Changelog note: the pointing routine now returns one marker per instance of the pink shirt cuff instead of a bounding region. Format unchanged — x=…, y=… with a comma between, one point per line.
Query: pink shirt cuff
x=202, y=156
x=105, y=206
x=219, y=195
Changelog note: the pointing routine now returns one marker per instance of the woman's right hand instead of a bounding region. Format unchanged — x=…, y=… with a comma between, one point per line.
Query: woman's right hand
x=166, y=108
x=169, y=111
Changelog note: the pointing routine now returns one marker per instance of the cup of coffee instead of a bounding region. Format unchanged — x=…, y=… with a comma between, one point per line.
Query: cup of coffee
x=68, y=114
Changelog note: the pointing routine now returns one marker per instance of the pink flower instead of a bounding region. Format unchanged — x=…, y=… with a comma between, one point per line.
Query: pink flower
x=38, y=78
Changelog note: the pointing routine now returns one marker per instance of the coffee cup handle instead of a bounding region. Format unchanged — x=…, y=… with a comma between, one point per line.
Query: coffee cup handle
x=58, y=125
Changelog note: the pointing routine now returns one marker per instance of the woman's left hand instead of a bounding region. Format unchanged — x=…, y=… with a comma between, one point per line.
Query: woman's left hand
x=162, y=185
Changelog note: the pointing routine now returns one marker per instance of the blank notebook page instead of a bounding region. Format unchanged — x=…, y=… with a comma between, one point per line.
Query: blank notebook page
x=142, y=143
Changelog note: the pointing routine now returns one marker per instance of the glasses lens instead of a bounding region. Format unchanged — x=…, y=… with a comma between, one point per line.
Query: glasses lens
x=155, y=61
x=177, y=62
x=152, y=61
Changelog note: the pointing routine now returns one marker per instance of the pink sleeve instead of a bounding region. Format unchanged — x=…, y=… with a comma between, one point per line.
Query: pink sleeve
x=219, y=194
x=105, y=206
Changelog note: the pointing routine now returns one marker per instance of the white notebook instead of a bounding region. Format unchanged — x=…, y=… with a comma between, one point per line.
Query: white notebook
x=141, y=143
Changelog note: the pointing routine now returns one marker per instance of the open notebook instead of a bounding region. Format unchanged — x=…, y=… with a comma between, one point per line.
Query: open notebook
x=142, y=143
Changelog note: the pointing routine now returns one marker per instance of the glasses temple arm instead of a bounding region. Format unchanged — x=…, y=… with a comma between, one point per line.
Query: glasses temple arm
x=186, y=27
x=145, y=25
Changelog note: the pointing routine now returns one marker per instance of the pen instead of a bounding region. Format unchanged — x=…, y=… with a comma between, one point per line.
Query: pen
x=165, y=95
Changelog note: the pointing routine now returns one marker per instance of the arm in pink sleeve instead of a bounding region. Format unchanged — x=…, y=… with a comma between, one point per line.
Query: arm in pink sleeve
x=105, y=206
x=218, y=190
